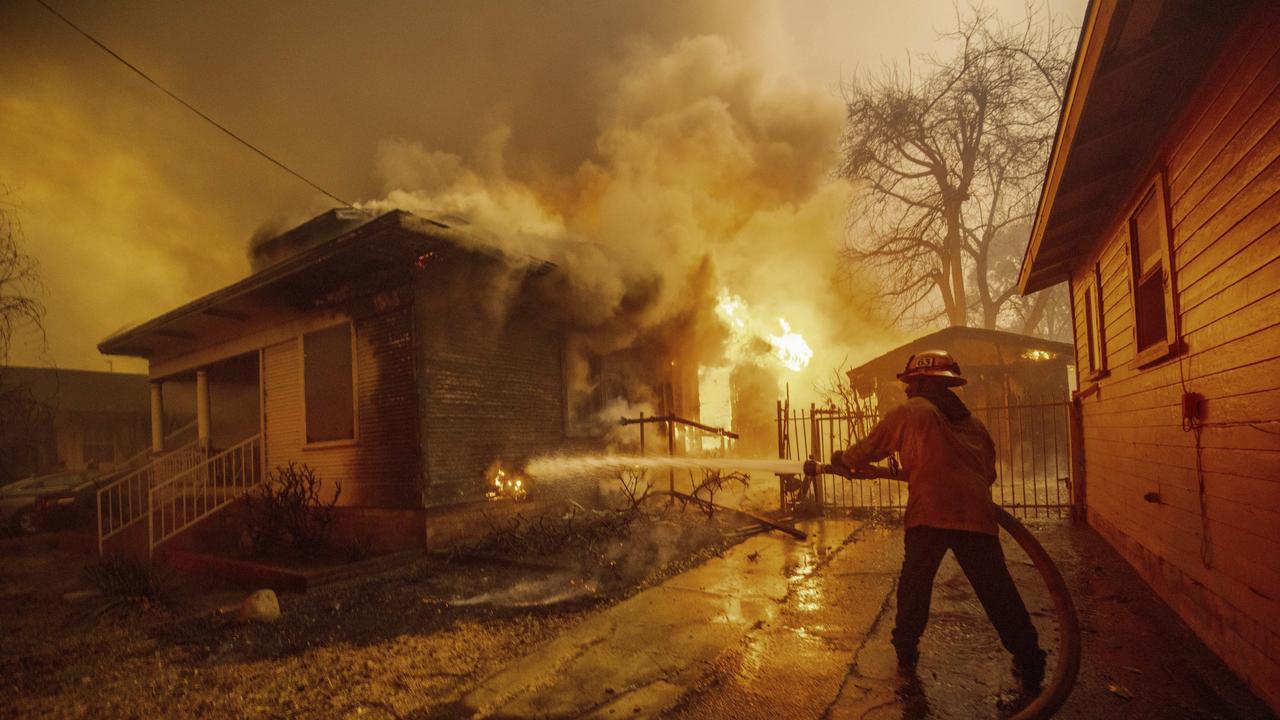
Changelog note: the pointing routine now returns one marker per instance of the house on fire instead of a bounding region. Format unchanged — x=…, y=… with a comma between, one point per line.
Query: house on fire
x=1161, y=209
x=394, y=354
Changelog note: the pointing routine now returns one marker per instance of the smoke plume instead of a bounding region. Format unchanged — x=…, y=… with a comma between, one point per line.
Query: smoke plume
x=709, y=175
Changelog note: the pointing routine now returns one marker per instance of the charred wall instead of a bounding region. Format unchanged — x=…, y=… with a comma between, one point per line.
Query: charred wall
x=490, y=376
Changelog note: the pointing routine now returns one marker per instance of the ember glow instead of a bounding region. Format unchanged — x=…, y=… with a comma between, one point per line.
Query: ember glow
x=751, y=340
x=506, y=487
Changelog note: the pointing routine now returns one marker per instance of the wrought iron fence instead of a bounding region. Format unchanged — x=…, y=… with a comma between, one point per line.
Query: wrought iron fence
x=1033, y=456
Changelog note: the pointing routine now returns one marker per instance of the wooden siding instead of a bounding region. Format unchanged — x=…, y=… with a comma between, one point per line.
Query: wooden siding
x=1222, y=168
x=492, y=385
x=380, y=469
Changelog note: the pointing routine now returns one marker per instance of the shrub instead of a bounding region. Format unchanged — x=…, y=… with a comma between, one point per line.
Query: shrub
x=288, y=512
x=128, y=584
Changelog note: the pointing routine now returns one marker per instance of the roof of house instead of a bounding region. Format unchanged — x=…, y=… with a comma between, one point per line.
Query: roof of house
x=972, y=347
x=81, y=391
x=1137, y=66
x=306, y=261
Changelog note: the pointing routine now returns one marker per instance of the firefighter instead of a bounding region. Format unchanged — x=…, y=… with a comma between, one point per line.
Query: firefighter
x=949, y=462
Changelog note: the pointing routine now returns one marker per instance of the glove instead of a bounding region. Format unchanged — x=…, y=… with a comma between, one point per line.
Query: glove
x=838, y=465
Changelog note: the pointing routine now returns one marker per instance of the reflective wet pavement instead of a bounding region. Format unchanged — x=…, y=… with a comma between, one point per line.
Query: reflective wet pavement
x=784, y=628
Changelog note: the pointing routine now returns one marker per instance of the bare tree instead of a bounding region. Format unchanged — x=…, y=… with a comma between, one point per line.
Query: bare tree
x=951, y=160
x=20, y=288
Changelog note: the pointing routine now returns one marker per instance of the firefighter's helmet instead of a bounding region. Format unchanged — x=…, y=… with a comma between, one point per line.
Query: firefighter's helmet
x=933, y=363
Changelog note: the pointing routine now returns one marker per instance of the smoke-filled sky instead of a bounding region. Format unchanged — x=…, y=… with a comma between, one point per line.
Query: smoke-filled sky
x=662, y=130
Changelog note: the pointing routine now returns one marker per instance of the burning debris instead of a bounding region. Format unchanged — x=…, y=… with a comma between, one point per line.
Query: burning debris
x=505, y=486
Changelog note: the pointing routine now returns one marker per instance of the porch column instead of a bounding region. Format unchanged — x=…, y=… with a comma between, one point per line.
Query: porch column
x=157, y=417
x=202, y=409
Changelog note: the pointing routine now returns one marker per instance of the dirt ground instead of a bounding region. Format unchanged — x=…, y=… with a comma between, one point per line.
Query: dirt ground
x=411, y=642
x=408, y=639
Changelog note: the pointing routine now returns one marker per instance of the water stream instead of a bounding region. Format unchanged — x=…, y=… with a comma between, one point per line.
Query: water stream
x=562, y=466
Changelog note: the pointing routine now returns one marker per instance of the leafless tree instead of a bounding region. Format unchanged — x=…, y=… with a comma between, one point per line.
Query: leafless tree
x=22, y=415
x=20, y=288
x=950, y=155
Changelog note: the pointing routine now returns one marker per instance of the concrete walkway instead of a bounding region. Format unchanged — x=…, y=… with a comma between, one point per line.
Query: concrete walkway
x=779, y=628
x=638, y=658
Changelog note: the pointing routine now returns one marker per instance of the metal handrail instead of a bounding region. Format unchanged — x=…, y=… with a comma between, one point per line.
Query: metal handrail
x=196, y=493
x=122, y=503
x=142, y=457
x=679, y=421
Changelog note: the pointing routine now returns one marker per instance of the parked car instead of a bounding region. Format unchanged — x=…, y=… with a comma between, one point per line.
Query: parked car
x=27, y=505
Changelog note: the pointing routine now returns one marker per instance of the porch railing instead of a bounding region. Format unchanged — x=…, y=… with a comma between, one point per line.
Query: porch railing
x=190, y=496
x=673, y=423
x=142, y=457
x=122, y=503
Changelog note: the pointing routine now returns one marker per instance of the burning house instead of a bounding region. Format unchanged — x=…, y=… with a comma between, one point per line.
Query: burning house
x=394, y=354
x=1159, y=209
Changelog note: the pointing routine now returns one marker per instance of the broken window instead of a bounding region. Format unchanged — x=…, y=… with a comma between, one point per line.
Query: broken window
x=1153, y=303
x=329, y=384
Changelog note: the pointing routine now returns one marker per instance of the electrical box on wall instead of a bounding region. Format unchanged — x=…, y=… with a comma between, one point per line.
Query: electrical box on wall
x=1192, y=407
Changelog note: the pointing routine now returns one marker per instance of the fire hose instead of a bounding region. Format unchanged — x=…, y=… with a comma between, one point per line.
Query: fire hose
x=1054, y=692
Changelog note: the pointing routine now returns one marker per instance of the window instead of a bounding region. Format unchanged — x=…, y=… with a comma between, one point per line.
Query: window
x=1150, y=251
x=99, y=446
x=1096, y=355
x=328, y=383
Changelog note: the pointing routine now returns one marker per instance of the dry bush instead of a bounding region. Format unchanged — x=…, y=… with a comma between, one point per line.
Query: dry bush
x=288, y=512
x=129, y=585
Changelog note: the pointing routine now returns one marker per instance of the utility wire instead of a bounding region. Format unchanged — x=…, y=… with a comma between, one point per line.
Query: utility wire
x=188, y=105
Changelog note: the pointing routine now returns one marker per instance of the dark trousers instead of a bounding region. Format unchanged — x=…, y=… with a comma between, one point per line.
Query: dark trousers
x=982, y=560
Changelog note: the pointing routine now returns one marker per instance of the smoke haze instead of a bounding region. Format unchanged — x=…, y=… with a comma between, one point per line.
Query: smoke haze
x=664, y=146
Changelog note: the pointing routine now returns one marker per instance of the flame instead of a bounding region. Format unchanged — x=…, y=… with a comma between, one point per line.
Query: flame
x=507, y=486
x=791, y=348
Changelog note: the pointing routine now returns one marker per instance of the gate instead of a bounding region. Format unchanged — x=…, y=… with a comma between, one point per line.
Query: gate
x=1033, y=456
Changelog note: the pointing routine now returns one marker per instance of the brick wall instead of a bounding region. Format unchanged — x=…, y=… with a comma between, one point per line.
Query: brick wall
x=491, y=383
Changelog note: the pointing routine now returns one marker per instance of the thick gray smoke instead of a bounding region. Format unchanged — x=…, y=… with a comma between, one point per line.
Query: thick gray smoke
x=710, y=178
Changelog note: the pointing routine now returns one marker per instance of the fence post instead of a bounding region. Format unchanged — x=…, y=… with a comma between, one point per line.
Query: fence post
x=642, y=434
x=782, y=485
x=1079, y=481
x=671, y=452
x=815, y=451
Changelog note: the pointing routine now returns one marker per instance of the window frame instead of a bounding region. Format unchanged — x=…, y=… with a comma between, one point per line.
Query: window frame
x=355, y=387
x=1095, y=326
x=1154, y=191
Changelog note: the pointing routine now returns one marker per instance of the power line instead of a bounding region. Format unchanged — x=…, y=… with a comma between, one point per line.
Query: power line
x=188, y=105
